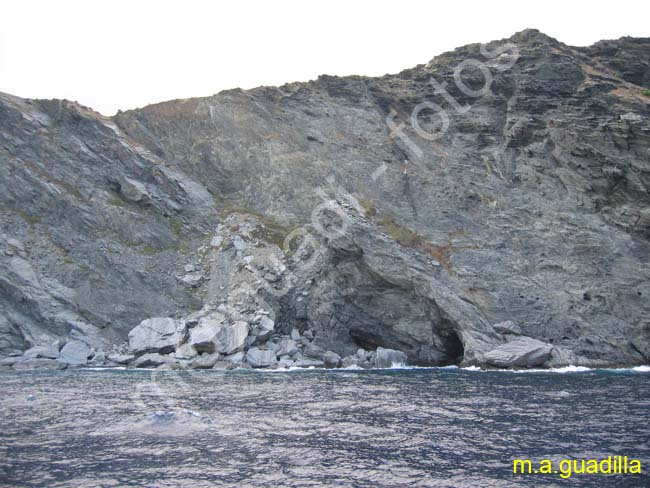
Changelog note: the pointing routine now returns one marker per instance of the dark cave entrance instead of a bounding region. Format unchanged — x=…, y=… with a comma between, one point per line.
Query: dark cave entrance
x=454, y=347
x=449, y=348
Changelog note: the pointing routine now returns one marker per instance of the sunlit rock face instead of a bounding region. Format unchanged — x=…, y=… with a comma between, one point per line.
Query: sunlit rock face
x=531, y=204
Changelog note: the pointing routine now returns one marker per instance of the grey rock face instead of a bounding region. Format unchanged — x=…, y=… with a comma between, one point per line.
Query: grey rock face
x=151, y=360
x=222, y=365
x=507, y=327
x=192, y=280
x=155, y=335
x=205, y=361
x=273, y=346
x=524, y=352
x=98, y=359
x=214, y=335
x=309, y=363
x=134, y=191
x=264, y=328
x=10, y=361
x=38, y=363
x=121, y=358
x=48, y=352
x=185, y=351
x=286, y=363
x=239, y=243
x=231, y=338
x=313, y=351
x=259, y=358
x=203, y=337
x=531, y=207
x=236, y=358
x=388, y=358
x=75, y=353
x=287, y=347
x=331, y=359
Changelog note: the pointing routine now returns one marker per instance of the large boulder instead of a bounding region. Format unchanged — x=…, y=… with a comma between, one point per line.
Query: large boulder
x=388, y=358
x=524, y=352
x=151, y=360
x=205, y=361
x=273, y=346
x=121, y=358
x=134, y=190
x=285, y=362
x=236, y=358
x=309, y=363
x=203, y=337
x=11, y=360
x=261, y=358
x=287, y=347
x=185, y=351
x=48, y=352
x=222, y=365
x=38, y=363
x=215, y=336
x=313, y=351
x=231, y=338
x=331, y=359
x=263, y=328
x=158, y=334
x=98, y=359
x=75, y=353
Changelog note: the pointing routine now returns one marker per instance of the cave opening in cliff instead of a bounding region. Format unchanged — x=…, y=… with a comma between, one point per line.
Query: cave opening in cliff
x=454, y=347
x=447, y=350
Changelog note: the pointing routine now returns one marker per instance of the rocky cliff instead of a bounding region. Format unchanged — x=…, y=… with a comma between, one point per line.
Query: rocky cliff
x=504, y=184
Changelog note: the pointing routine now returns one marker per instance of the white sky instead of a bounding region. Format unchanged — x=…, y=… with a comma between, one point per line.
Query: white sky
x=126, y=54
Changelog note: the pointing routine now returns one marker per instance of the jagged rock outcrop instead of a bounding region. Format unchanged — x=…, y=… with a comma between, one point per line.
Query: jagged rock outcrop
x=75, y=353
x=260, y=358
x=507, y=327
x=524, y=353
x=158, y=334
x=532, y=206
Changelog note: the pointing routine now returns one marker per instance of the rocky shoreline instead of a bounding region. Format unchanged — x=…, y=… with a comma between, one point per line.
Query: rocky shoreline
x=205, y=340
x=224, y=338
x=42, y=358
x=294, y=225
x=233, y=329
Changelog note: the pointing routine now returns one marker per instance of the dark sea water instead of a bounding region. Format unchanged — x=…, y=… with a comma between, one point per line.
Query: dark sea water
x=418, y=427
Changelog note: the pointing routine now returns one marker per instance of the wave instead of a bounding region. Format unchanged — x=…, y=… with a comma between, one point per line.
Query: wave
x=559, y=370
x=105, y=368
x=398, y=367
x=562, y=370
